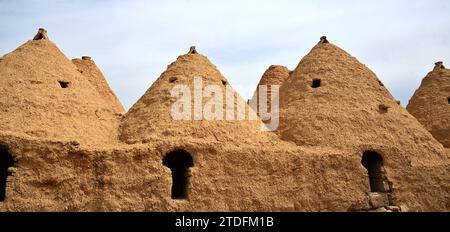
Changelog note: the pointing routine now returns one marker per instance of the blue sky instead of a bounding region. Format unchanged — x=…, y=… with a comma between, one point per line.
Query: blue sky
x=133, y=41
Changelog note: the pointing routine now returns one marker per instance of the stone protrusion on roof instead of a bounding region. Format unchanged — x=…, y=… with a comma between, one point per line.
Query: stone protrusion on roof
x=192, y=50
x=323, y=40
x=438, y=66
x=41, y=34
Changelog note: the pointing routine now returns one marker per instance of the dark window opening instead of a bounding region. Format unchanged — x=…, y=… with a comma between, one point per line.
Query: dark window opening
x=316, y=83
x=179, y=162
x=448, y=99
x=173, y=79
x=224, y=82
x=64, y=84
x=373, y=162
x=6, y=161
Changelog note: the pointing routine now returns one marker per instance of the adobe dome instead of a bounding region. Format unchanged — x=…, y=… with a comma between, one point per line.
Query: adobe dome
x=331, y=99
x=150, y=117
x=44, y=96
x=274, y=75
x=430, y=104
x=89, y=69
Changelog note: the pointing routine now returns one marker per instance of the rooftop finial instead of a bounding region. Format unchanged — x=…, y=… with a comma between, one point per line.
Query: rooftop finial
x=438, y=66
x=323, y=40
x=41, y=34
x=192, y=50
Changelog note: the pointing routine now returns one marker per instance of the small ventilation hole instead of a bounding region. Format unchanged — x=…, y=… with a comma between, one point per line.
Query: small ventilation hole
x=448, y=99
x=381, y=83
x=383, y=108
x=64, y=84
x=315, y=83
x=173, y=79
x=224, y=82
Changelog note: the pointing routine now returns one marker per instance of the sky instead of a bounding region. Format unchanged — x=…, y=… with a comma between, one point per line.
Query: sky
x=132, y=42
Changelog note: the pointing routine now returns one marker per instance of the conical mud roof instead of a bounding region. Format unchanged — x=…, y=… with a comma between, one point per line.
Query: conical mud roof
x=89, y=69
x=150, y=118
x=274, y=75
x=44, y=96
x=331, y=99
x=430, y=103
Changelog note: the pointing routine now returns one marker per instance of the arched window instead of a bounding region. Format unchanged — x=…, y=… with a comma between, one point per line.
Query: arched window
x=6, y=161
x=179, y=162
x=373, y=162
